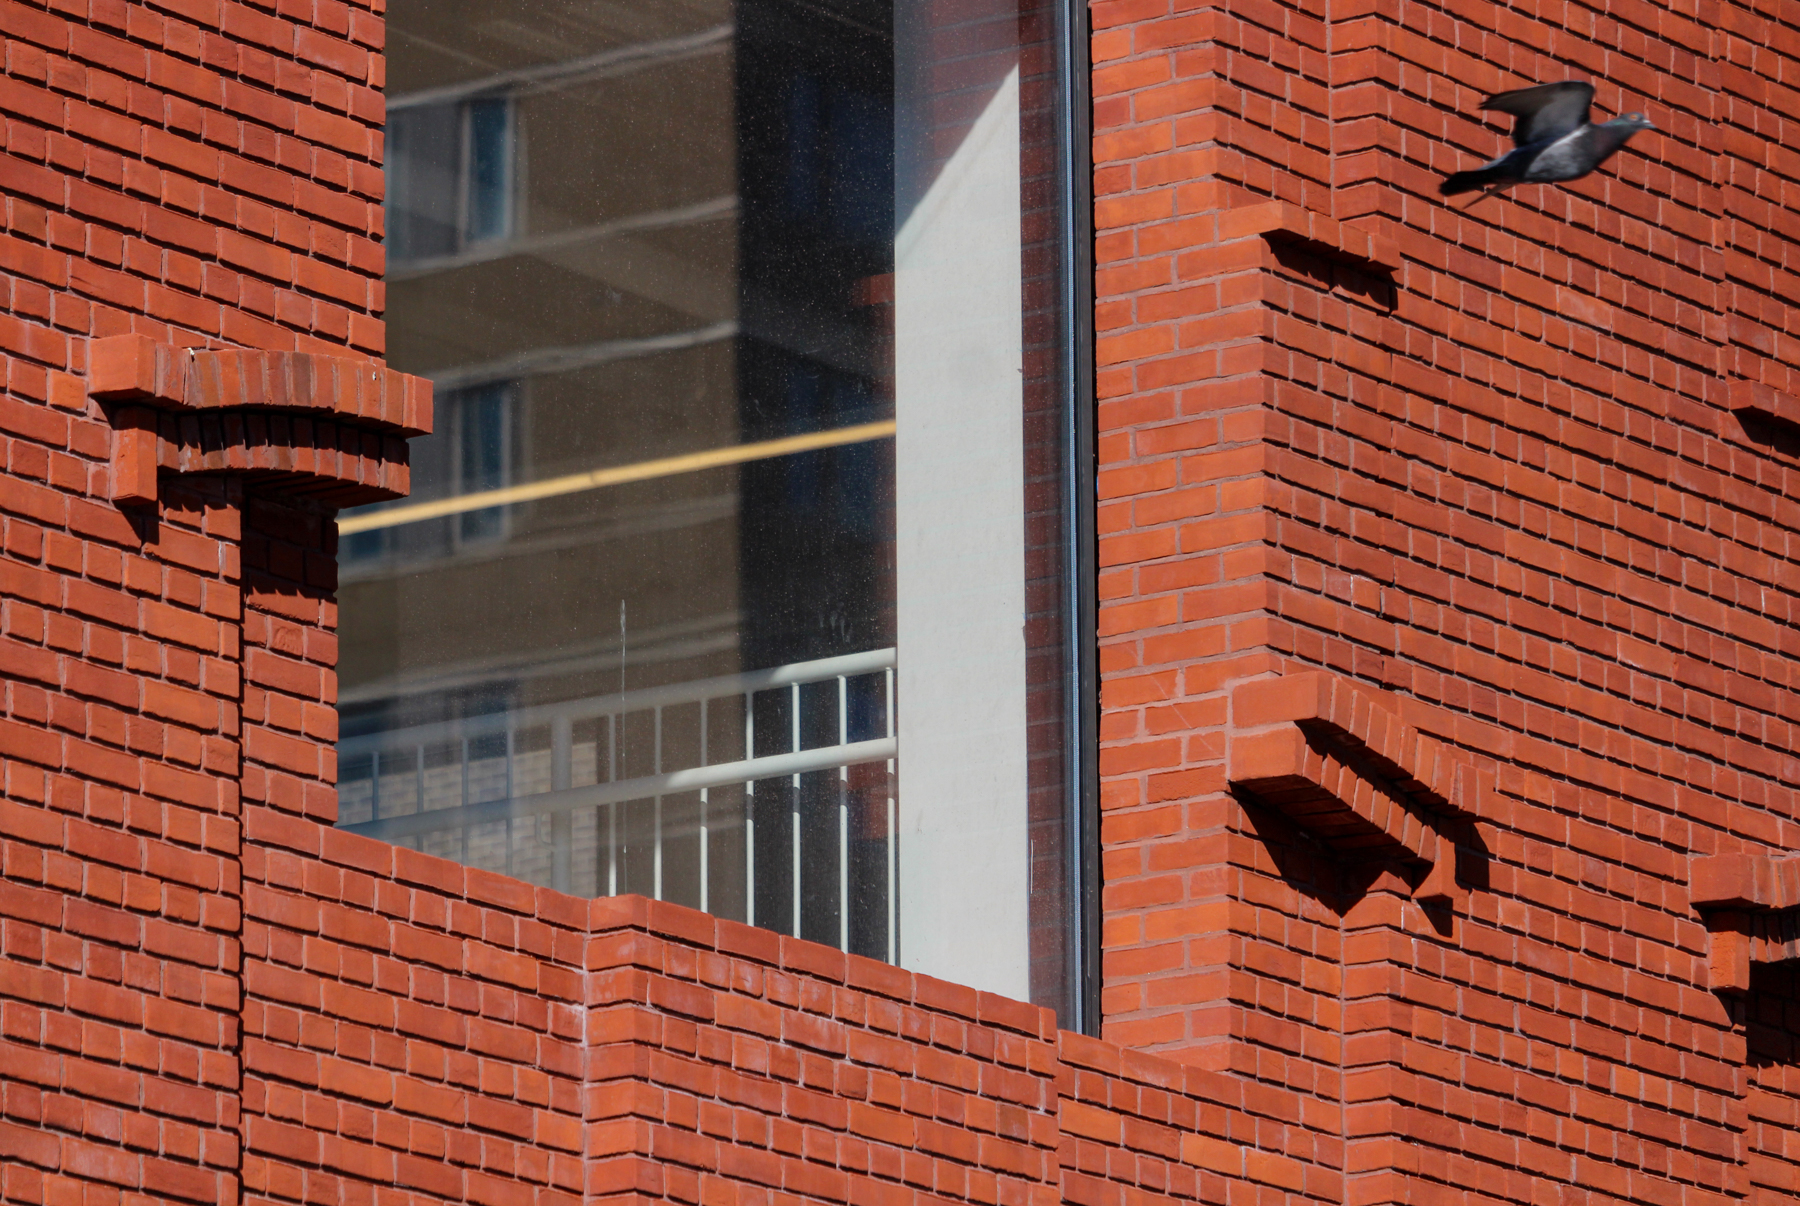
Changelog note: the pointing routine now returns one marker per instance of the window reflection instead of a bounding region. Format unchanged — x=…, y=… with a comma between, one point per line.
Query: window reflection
x=451, y=170
x=671, y=594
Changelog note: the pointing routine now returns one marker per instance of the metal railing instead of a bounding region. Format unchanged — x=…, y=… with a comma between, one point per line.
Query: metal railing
x=530, y=791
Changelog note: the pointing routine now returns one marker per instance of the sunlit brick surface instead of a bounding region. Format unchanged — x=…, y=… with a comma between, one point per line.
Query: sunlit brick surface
x=1522, y=472
x=206, y=175
x=1504, y=488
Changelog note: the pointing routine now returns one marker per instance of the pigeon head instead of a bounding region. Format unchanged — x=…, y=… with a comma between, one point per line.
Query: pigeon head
x=1631, y=123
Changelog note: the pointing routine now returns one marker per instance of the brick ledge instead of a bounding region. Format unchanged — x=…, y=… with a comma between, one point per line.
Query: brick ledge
x=332, y=428
x=1327, y=754
x=1749, y=904
x=1278, y=221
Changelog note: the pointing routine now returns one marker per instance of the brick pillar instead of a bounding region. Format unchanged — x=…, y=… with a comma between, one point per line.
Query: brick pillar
x=121, y=902
x=169, y=670
x=290, y=659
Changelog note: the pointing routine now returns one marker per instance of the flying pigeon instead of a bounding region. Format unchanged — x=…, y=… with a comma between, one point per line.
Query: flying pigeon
x=1552, y=139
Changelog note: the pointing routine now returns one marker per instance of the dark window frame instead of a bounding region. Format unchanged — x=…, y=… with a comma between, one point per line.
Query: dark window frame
x=1081, y=779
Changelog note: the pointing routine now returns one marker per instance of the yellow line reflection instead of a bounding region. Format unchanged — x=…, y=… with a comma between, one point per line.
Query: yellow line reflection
x=617, y=475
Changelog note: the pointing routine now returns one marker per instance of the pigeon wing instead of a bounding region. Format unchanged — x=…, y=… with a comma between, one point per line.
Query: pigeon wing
x=1546, y=111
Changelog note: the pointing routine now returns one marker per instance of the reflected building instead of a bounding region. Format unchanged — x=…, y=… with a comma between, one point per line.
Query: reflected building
x=732, y=574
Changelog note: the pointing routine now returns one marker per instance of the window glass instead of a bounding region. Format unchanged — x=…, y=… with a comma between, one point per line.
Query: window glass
x=733, y=571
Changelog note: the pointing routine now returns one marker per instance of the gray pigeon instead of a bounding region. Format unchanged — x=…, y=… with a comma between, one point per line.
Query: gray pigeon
x=1552, y=139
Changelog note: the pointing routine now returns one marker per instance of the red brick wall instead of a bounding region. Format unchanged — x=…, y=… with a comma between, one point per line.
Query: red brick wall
x=731, y=1064
x=435, y=1033
x=206, y=174
x=119, y=899
x=416, y=1031
x=1520, y=473
x=411, y=1027
x=1501, y=485
x=1137, y=1128
x=209, y=170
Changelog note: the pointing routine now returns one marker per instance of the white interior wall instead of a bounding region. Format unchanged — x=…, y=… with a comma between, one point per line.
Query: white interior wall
x=960, y=489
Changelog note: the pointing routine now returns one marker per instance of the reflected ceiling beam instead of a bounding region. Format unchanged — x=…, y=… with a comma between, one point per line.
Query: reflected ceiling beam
x=615, y=475
x=641, y=270
x=668, y=516
x=569, y=357
x=550, y=246
x=447, y=330
x=545, y=77
x=606, y=253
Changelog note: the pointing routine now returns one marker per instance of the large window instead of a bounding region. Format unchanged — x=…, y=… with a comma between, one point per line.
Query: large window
x=738, y=569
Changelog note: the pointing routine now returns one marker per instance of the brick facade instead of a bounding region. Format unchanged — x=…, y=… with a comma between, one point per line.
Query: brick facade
x=1446, y=715
x=1518, y=473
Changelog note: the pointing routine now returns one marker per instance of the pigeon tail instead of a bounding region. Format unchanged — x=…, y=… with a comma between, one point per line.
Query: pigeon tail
x=1469, y=181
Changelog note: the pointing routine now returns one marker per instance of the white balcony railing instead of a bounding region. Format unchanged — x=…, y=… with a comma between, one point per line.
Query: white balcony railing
x=536, y=791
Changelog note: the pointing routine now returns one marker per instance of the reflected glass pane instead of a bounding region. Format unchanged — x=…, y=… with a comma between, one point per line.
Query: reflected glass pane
x=731, y=571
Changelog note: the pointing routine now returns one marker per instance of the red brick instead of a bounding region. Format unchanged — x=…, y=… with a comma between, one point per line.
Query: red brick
x=1519, y=472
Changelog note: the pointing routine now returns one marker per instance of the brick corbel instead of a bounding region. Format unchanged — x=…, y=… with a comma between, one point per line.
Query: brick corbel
x=1751, y=906
x=326, y=427
x=1334, y=760
x=1757, y=402
x=1282, y=222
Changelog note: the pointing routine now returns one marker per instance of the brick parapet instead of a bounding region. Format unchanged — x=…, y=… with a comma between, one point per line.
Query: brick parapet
x=410, y=1024
x=731, y=1064
x=1137, y=1127
x=527, y=1042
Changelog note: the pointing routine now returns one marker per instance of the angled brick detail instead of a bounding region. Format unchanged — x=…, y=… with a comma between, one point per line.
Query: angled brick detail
x=1744, y=881
x=1343, y=766
x=1280, y=222
x=136, y=368
x=1751, y=904
x=1756, y=404
x=304, y=423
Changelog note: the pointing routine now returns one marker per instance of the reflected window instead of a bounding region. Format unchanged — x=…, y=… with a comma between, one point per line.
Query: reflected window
x=472, y=456
x=733, y=572
x=450, y=176
x=484, y=444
